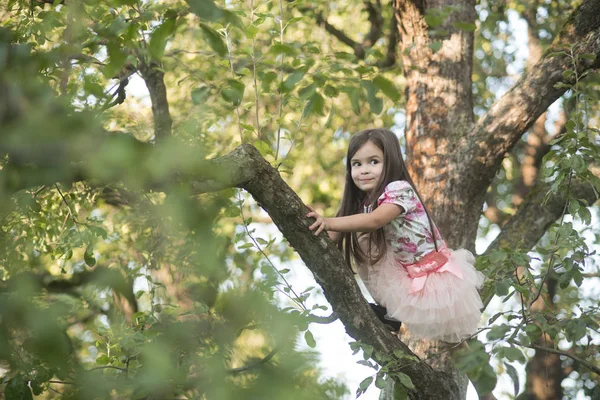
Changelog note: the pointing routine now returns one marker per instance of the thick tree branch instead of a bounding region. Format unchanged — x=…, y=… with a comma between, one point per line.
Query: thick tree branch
x=376, y=21
x=392, y=47
x=155, y=82
x=533, y=218
x=501, y=127
x=359, y=50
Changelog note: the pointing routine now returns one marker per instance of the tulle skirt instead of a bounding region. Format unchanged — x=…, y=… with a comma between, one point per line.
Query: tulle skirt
x=446, y=308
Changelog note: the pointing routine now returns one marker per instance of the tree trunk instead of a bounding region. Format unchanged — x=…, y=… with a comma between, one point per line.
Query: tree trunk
x=439, y=112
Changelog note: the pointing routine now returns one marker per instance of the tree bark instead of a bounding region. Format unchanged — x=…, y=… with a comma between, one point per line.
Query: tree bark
x=439, y=111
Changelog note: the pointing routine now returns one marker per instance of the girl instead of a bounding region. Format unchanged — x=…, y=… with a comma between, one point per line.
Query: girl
x=385, y=229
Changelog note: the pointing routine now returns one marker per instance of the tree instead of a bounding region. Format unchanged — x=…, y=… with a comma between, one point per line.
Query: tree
x=292, y=86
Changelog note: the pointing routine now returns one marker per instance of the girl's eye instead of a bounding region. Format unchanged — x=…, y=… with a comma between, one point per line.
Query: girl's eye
x=373, y=162
x=356, y=164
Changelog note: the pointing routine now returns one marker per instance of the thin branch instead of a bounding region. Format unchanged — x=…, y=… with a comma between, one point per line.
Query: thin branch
x=323, y=320
x=73, y=217
x=107, y=367
x=581, y=361
x=376, y=20
x=392, y=47
x=254, y=72
x=254, y=364
x=237, y=107
x=594, y=275
x=550, y=262
x=262, y=252
x=280, y=91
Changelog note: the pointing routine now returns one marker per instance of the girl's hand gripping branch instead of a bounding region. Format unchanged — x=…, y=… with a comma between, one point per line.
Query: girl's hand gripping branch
x=320, y=222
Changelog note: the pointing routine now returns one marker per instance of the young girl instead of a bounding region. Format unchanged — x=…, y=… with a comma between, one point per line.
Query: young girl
x=384, y=228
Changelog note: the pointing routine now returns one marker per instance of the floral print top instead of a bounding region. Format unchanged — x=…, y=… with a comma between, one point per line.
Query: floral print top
x=408, y=235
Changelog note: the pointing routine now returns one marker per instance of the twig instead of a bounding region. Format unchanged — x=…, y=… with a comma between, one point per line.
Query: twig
x=67, y=204
x=107, y=367
x=280, y=79
x=244, y=222
x=583, y=362
x=562, y=217
x=254, y=72
x=254, y=364
x=323, y=320
x=237, y=107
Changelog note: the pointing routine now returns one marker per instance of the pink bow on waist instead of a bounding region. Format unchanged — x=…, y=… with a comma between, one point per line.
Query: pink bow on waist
x=436, y=261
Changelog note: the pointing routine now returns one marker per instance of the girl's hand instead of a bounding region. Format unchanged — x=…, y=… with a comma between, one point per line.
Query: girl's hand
x=320, y=223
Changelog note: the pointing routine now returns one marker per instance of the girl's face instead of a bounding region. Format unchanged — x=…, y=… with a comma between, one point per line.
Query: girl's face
x=367, y=167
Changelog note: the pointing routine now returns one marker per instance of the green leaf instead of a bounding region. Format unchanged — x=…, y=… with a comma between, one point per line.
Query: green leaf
x=308, y=91
x=158, y=38
x=568, y=74
x=498, y=332
x=330, y=91
x=375, y=103
x=264, y=148
x=285, y=49
x=591, y=57
x=88, y=256
x=405, y=380
x=578, y=164
x=465, y=26
x=116, y=57
x=502, y=288
x=380, y=381
x=102, y=360
x=433, y=19
x=233, y=92
x=17, y=389
x=355, y=100
x=208, y=11
x=291, y=81
x=497, y=256
x=367, y=351
x=387, y=87
x=251, y=31
x=315, y=105
x=486, y=381
x=435, y=46
x=310, y=340
x=514, y=354
x=199, y=95
x=512, y=372
x=214, y=40
x=400, y=392
x=365, y=383
x=585, y=215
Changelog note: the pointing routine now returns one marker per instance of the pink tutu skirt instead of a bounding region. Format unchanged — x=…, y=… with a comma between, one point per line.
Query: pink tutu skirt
x=434, y=301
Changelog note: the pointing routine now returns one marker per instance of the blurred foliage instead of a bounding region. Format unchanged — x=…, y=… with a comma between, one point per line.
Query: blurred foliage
x=124, y=286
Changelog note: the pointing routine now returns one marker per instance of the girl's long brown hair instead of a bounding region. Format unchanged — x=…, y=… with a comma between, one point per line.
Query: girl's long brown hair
x=355, y=199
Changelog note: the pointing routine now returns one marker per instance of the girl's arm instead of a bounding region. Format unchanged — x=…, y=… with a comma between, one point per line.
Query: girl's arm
x=368, y=222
